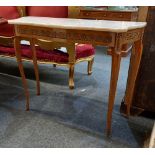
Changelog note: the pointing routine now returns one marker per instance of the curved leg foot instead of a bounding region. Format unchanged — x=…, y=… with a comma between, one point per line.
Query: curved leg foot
x=90, y=66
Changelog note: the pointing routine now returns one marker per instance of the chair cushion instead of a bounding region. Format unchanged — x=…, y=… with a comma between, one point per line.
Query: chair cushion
x=44, y=55
x=47, y=11
x=8, y=12
x=84, y=50
x=57, y=56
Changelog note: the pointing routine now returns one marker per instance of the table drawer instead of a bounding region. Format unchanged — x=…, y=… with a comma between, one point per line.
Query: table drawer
x=94, y=15
x=121, y=16
x=108, y=15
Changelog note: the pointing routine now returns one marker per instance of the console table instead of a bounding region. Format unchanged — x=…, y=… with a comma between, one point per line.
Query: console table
x=113, y=34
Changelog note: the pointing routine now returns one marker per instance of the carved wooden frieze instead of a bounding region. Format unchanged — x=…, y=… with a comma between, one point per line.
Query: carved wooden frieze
x=130, y=36
x=102, y=38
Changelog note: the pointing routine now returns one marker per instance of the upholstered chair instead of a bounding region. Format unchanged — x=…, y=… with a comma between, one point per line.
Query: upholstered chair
x=83, y=52
x=46, y=51
x=6, y=30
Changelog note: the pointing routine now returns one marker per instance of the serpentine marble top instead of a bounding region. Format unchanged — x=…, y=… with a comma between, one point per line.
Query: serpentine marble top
x=79, y=24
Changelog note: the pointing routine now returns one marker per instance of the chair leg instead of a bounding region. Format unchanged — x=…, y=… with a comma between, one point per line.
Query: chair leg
x=71, y=76
x=54, y=65
x=90, y=66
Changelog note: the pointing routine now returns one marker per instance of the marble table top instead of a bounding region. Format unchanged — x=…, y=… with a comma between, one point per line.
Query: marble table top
x=79, y=24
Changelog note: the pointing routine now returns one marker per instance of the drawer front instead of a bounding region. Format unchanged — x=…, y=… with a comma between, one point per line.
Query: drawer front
x=85, y=14
x=94, y=15
x=108, y=15
x=134, y=16
x=126, y=16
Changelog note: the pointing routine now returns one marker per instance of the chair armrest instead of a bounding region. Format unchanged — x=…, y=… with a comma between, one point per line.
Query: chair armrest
x=3, y=21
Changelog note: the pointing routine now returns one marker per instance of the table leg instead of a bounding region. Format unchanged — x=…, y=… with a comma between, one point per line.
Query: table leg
x=115, y=67
x=132, y=75
x=34, y=57
x=71, y=52
x=21, y=69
